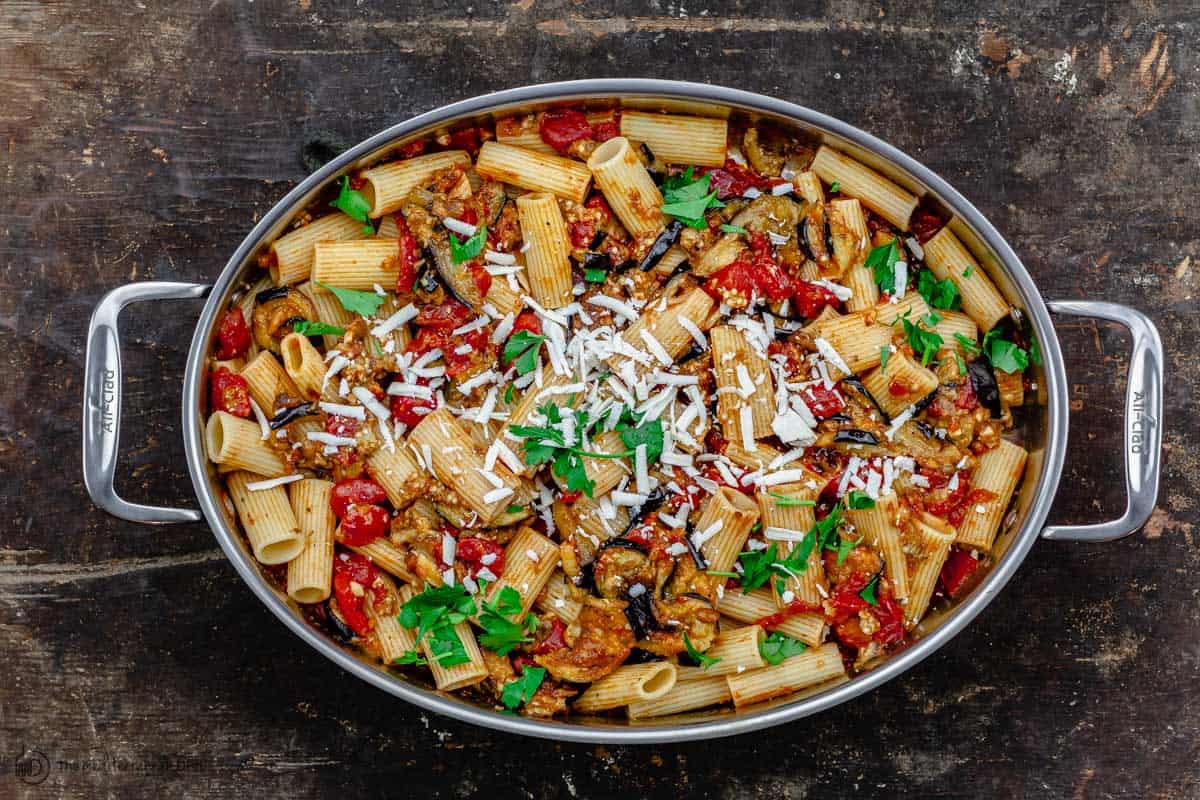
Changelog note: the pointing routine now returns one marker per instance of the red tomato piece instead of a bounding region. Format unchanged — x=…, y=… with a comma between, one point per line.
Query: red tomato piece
x=411, y=410
x=570, y=496
x=733, y=179
x=449, y=315
x=412, y=149
x=966, y=399
x=811, y=298
x=555, y=639
x=955, y=498
x=341, y=426
x=562, y=127
x=957, y=570
x=890, y=616
x=822, y=402
x=581, y=233
x=527, y=321
x=598, y=203
x=770, y=280
x=472, y=550
x=363, y=523
x=355, y=491
x=351, y=571
x=410, y=254
x=230, y=393
x=481, y=277
x=733, y=284
x=924, y=225
x=233, y=335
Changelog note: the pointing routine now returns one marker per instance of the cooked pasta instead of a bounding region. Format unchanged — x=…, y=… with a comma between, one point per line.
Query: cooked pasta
x=621, y=412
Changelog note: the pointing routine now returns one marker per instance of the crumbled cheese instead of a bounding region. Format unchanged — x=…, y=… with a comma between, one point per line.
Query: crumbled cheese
x=271, y=483
x=459, y=227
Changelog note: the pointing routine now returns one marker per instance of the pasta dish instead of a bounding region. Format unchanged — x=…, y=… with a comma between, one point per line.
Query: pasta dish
x=620, y=411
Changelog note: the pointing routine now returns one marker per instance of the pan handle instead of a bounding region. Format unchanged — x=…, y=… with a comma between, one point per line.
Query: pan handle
x=1143, y=423
x=102, y=401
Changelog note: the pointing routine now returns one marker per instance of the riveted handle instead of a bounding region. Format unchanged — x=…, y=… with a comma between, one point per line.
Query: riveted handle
x=102, y=401
x=1143, y=423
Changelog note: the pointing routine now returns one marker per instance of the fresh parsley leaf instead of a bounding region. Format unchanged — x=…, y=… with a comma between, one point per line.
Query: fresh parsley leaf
x=882, y=261
x=1007, y=356
x=868, y=592
x=835, y=187
x=885, y=353
x=308, y=328
x=966, y=273
x=859, y=500
x=968, y=344
x=1035, y=350
x=727, y=228
x=650, y=434
x=923, y=342
x=434, y=613
x=362, y=303
x=939, y=294
x=721, y=573
x=508, y=393
x=756, y=566
x=783, y=501
x=354, y=205
x=962, y=365
x=500, y=633
x=776, y=648
x=595, y=275
x=514, y=509
x=523, y=347
x=843, y=548
x=522, y=689
x=411, y=657
x=569, y=466
x=465, y=251
x=687, y=199
x=700, y=658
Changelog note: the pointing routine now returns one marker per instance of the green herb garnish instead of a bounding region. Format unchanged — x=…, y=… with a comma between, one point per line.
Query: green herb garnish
x=858, y=500
x=776, y=648
x=595, y=275
x=686, y=198
x=354, y=205
x=882, y=261
x=835, y=187
x=727, y=228
x=924, y=343
x=500, y=633
x=508, y=393
x=700, y=658
x=885, y=353
x=308, y=328
x=411, y=657
x=434, y=613
x=522, y=689
x=1004, y=354
x=649, y=434
x=868, y=592
x=523, y=348
x=465, y=251
x=968, y=344
x=514, y=509
x=783, y=501
x=939, y=294
x=362, y=303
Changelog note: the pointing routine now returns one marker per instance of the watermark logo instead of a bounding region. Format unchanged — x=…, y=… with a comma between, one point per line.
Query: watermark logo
x=1142, y=427
x=32, y=767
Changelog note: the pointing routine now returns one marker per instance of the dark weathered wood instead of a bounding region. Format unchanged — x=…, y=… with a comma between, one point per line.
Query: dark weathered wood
x=142, y=143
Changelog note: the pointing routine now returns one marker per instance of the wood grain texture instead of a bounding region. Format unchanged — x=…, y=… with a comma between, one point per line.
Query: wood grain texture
x=142, y=140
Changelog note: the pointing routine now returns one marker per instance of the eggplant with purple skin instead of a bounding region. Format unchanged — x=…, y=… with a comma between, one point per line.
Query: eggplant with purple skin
x=640, y=613
x=620, y=565
x=983, y=381
x=276, y=311
x=291, y=414
x=855, y=436
x=662, y=244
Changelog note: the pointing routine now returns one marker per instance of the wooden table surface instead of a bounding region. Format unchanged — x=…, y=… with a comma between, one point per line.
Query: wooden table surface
x=142, y=140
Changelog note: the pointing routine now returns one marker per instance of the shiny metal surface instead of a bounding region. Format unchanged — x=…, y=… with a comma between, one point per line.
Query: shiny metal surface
x=1049, y=430
x=1143, y=423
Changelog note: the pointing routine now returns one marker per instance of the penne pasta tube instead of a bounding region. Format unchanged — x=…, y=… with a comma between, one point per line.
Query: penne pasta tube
x=293, y=252
x=304, y=364
x=998, y=472
x=806, y=669
x=911, y=307
x=666, y=330
x=529, y=561
x=900, y=383
x=848, y=230
x=310, y=573
x=557, y=598
x=946, y=256
x=1011, y=386
x=878, y=527
x=856, y=340
x=736, y=650
x=237, y=444
x=627, y=684
x=806, y=627
x=386, y=556
x=743, y=381
x=758, y=458
x=398, y=474
x=808, y=186
x=927, y=551
x=534, y=171
x=448, y=679
x=267, y=519
x=361, y=265
x=388, y=185
x=267, y=381
x=885, y=198
x=522, y=131
x=394, y=639
x=448, y=451
x=951, y=326
x=678, y=139
x=548, y=262
x=627, y=186
x=683, y=696
x=724, y=526
x=778, y=515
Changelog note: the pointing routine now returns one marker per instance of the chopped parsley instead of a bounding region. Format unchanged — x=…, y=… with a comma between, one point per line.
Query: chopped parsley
x=465, y=251
x=783, y=501
x=514, y=509
x=843, y=547
x=522, y=689
x=966, y=273
x=362, y=303
x=924, y=343
x=859, y=500
x=500, y=633
x=1007, y=356
x=882, y=261
x=411, y=657
x=700, y=658
x=968, y=344
x=885, y=353
x=835, y=187
x=523, y=348
x=868, y=591
x=434, y=613
x=776, y=648
x=727, y=228
x=939, y=294
x=508, y=393
x=354, y=205
x=687, y=198
x=595, y=275
x=309, y=328
x=649, y=434
x=1035, y=350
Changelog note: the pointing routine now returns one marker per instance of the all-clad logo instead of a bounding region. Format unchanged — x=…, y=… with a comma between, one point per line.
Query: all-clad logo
x=1143, y=424
x=108, y=393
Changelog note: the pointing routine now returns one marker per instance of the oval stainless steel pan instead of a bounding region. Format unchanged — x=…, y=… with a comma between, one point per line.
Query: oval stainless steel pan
x=1045, y=431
